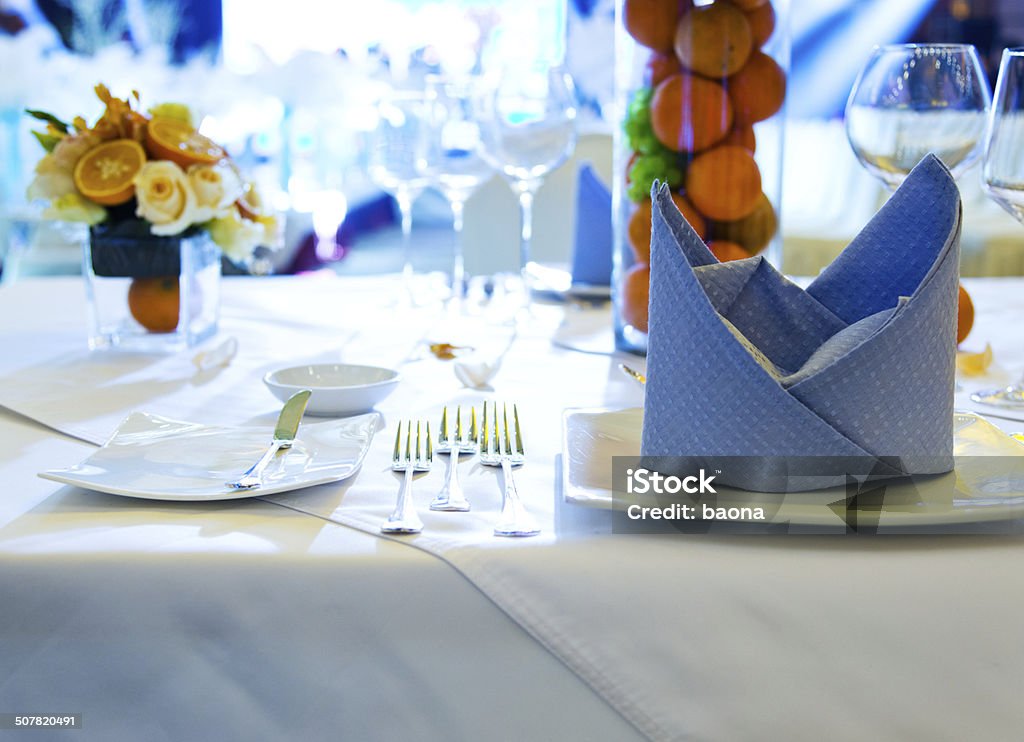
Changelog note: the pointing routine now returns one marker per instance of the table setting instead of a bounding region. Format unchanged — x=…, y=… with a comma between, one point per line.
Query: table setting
x=403, y=504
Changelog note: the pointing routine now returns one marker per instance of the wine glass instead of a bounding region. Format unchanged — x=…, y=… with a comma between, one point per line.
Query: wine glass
x=912, y=99
x=397, y=150
x=528, y=128
x=1002, y=176
x=454, y=161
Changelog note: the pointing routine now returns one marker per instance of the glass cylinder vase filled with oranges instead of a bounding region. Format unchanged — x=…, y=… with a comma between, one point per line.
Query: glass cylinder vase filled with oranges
x=701, y=88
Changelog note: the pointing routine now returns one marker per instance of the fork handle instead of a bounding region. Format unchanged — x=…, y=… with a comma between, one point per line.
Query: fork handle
x=404, y=519
x=514, y=519
x=450, y=497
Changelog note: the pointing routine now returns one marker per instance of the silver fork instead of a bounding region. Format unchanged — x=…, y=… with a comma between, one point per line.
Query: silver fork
x=404, y=519
x=450, y=497
x=497, y=450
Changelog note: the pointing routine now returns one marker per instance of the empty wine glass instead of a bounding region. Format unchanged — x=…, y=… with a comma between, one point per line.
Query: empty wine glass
x=454, y=160
x=1002, y=176
x=397, y=159
x=528, y=128
x=912, y=99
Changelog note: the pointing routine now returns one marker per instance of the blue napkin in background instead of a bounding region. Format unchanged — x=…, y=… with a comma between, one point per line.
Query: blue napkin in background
x=592, y=252
x=743, y=363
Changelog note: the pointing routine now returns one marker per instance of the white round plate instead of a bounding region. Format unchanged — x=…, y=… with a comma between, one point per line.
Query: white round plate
x=978, y=490
x=339, y=389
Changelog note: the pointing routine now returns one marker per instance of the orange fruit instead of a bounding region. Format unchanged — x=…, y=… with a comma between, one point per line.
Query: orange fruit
x=762, y=23
x=155, y=302
x=724, y=183
x=713, y=40
x=758, y=90
x=743, y=135
x=689, y=113
x=636, y=295
x=659, y=67
x=725, y=250
x=170, y=139
x=753, y=232
x=105, y=173
x=651, y=22
x=639, y=227
x=964, y=315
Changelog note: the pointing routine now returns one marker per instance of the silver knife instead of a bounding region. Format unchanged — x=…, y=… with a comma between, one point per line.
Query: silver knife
x=284, y=436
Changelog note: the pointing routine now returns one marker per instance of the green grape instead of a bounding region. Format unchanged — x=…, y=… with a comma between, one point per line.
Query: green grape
x=662, y=165
x=639, y=133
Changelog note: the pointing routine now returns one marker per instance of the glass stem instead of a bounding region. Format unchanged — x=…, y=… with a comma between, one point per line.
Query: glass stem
x=526, y=216
x=403, y=197
x=458, y=261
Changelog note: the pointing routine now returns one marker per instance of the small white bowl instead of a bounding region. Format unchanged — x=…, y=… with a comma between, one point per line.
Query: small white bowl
x=339, y=389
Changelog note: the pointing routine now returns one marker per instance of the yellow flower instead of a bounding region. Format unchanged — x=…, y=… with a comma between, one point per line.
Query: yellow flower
x=236, y=236
x=73, y=207
x=176, y=111
x=273, y=232
x=165, y=198
x=49, y=186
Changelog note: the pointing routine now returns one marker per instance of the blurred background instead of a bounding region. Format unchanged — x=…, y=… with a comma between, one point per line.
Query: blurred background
x=290, y=90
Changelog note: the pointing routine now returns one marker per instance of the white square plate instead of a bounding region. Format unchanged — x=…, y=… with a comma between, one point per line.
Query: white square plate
x=156, y=458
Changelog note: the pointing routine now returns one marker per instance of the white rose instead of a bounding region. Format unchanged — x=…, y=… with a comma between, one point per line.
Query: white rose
x=236, y=236
x=216, y=187
x=165, y=198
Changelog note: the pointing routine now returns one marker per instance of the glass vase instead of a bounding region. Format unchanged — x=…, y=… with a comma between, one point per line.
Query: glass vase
x=700, y=91
x=147, y=293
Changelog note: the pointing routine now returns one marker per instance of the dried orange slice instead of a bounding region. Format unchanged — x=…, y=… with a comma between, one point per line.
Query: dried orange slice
x=974, y=364
x=170, y=139
x=104, y=174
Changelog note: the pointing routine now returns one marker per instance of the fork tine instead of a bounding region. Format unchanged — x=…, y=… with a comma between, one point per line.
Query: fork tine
x=485, y=441
x=444, y=425
x=473, y=433
x=458, y=423
x=497, y=438
x=519, y=433
x=408, y=442
x=430, y=446
x=508, y=441
x=417, y=441
x=396, y=457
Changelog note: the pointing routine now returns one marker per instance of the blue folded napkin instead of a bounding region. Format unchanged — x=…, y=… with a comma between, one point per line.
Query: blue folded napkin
x=592, y=252
x=856, y=371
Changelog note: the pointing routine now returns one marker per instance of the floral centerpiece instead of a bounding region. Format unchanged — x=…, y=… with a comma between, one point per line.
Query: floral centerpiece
x=162, y=202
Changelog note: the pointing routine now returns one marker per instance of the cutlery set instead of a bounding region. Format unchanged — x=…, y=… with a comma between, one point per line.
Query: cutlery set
x=498, y=446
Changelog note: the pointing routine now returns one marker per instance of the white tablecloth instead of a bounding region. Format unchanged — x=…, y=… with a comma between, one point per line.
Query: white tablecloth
x=715, y=637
